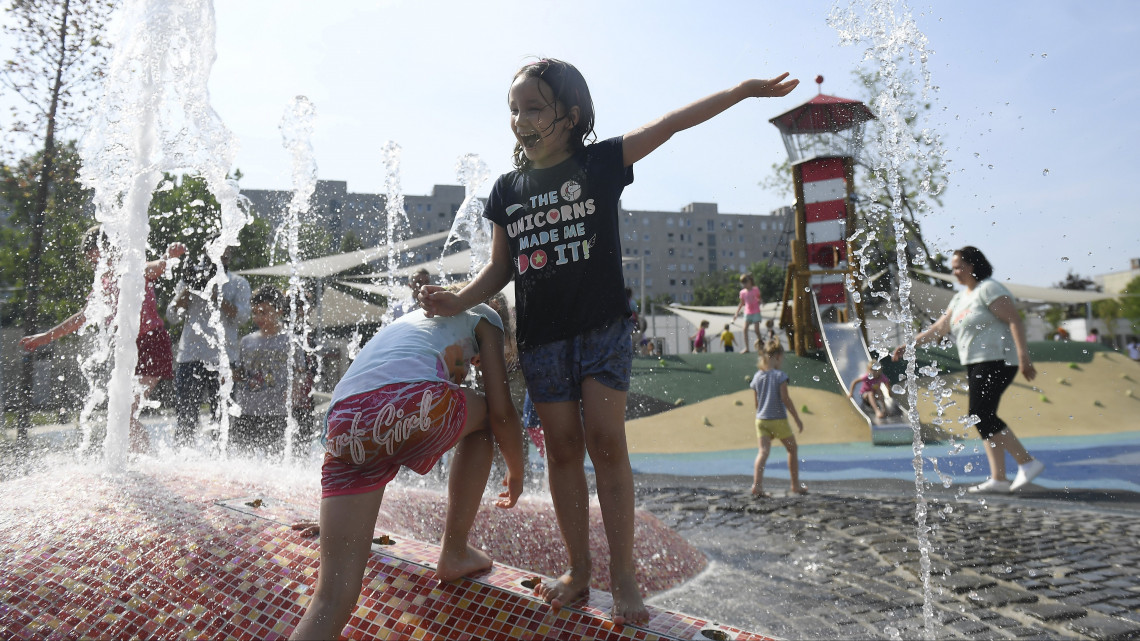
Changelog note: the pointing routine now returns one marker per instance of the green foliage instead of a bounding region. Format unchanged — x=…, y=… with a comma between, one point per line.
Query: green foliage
x=1130, y=303
x=65, y=276
x=56, y=54
x=723, y=287
x=184, y=210
x=350, y=242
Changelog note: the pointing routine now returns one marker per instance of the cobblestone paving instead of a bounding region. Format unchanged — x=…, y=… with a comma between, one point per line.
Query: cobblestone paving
x=841, y=564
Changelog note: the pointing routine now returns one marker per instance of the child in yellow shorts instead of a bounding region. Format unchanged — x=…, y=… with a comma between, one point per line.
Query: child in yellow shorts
x=770, y=386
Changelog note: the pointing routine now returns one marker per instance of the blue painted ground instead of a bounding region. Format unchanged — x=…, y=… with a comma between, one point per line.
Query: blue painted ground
x=1102, y=461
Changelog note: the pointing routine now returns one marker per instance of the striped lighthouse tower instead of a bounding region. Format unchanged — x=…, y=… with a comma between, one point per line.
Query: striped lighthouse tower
x=825, y=229
x=823, y=137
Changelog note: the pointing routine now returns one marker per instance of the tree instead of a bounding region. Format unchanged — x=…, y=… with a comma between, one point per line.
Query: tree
x=1079, y=283
x=922, y=178
x=723, y=287
x=58, y=53
x=66, y=276
x=1109, y=310
x=183, y=209
x=1130, y=303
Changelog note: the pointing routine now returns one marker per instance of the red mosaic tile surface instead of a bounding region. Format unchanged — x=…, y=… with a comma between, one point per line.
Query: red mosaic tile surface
x=166, y=554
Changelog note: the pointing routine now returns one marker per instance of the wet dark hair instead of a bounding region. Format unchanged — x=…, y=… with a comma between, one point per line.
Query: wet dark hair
x=570, y=90
x=982, y=269
x=272, y=295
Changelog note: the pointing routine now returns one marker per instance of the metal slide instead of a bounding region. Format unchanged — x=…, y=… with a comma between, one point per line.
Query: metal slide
x=848, y=354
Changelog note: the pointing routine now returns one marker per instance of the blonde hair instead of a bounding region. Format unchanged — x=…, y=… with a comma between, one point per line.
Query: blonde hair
x=772, y=349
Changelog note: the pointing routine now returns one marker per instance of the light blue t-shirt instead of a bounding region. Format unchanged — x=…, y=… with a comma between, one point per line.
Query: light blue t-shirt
x=767, y=384
x=415, y=348
x=979, y=335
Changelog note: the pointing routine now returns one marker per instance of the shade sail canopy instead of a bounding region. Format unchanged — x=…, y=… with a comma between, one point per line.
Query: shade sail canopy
x=1037, y=294
x=337, y=309
x=331, y=265
x=822, y=114
x=457, y=263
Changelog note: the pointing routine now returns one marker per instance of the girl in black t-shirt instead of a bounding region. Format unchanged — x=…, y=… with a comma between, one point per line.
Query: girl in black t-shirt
x=555, y=233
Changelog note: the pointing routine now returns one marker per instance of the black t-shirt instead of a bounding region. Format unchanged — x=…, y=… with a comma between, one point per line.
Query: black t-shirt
x=562, y=225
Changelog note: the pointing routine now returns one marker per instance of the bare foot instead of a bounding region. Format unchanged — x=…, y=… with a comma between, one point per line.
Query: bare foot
x=461, y=564
x=628, y=606
x=801, y=490
x=880, y=415
x=564, y=590
x=307, y=528
x=761, y=495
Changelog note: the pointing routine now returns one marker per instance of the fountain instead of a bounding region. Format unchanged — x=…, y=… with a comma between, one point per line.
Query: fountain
x=164, y=546
x=178, y=541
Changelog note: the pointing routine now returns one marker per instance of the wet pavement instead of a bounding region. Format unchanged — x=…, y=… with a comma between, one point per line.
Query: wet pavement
x=844, y=561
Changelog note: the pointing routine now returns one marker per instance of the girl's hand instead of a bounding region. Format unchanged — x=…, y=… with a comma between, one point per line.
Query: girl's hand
x=772, y=88
x=799, y=424
x=1028, y=370
x=436, y=301
x=174, y=250
x=514, y=485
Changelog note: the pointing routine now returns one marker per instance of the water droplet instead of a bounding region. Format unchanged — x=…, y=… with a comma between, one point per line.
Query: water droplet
x=1064, y=259
x=814, y=378
x=969, y=467
x=1044, y=55
x=1045, y=172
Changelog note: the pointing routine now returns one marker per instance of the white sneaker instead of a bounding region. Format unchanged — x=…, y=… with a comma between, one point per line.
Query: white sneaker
x=1026, y=473
x=990, y=486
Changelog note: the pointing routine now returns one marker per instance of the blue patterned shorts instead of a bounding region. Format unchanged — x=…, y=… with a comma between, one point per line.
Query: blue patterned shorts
x=554, y=372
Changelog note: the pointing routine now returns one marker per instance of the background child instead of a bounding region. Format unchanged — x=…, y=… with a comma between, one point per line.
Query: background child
x=727, y=338
x=262, y=375
x=770, y=333
x=573, y=314
x=750, y=302
x=411, y=368
x=701, y=339
x=155, y=353
x=871, y=390
x=773, y=405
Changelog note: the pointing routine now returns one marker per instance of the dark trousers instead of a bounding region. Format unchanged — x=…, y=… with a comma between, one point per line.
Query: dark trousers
x=988, y=381
x=192, y=381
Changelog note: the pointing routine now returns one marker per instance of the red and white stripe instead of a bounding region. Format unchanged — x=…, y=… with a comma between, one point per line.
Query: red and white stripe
x=825, y=209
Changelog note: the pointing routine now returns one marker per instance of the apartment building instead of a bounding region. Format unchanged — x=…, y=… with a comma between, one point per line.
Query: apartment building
x=676, y=247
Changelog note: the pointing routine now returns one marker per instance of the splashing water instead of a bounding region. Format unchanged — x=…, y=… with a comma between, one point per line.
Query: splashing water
x=296, y=134
x=395, y=218
x=889, y=33
x=154, y=116
x=469, y=224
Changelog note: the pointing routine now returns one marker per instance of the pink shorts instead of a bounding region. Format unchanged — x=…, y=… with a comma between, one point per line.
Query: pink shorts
x=370, y=435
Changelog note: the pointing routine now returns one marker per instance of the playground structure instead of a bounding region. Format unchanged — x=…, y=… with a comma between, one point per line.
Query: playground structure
x=823, y=138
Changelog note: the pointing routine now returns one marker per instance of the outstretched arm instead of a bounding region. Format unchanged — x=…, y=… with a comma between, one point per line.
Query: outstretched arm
x=940, y=328
x=491, y=280
x=68, y=326
x=640, y=142
x=501, y=415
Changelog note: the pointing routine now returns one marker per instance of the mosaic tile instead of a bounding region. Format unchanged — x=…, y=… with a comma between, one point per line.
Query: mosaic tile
x=170, y=555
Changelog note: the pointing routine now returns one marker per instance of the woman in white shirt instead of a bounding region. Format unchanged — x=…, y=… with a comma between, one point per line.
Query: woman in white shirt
x=990, y=338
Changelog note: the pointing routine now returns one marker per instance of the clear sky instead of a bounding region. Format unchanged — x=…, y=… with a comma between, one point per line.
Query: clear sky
x=1024, y=87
